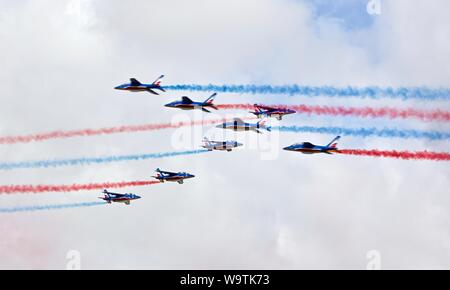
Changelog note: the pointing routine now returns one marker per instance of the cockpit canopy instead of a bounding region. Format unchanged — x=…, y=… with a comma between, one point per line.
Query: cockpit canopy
x=308, y=145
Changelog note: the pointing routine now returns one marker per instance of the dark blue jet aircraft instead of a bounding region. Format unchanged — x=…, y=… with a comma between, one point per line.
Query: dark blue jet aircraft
x=172, y=176
x=136, y=86
x=309, y=148
x=277, y=112
x=188, y=104
x=118, y=197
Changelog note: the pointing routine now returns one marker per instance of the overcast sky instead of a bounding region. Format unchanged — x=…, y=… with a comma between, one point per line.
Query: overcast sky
x=61, y=59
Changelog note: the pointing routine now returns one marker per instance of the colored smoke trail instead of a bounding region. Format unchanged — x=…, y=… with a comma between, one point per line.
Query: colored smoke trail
x=392, y=113
x=404, y=93
x=364, y=112
x=406, y=155
x=367, y=132
x=93, y=160
x=42, y=188
x=103, y=131
x=49, y=207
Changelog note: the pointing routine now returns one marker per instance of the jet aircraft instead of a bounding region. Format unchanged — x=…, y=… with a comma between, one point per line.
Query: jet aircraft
x=309, y=148
x=172, y=176
x=136, y=86
x=238, y=125
x=220, y=145
x=277, y=112
x=118, y=197
x=188, y=104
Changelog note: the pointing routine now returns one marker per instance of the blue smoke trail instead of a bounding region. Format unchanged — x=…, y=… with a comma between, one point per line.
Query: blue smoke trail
x=49, y=207
x=367, y=132
x=93, y=160
x=373, y=92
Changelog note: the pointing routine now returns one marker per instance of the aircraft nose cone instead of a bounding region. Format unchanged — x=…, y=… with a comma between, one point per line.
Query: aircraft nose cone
x=288, y=148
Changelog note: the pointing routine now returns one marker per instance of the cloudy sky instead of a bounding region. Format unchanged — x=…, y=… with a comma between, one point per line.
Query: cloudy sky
x=258, y=207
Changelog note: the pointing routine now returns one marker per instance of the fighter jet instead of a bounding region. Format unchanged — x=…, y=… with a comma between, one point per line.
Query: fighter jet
x=239, y=125
x=188, y=104
x=118, y=197
x=220, y=145
x=277, y=112
x=136, y=86
x=308, y=148
x=172, y=176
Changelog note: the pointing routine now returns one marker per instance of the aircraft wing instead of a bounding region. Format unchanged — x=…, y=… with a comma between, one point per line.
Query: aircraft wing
x=265, y=108
x=186, y=100
x=152, y=92
x=214, y=143
x=168, y=173
x=112, y=194
x=135, y=82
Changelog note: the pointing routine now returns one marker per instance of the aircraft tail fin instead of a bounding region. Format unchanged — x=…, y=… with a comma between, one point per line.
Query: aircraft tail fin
x=261, y=123
x=257, y=108
x=333, y=143
x=210, y=100
x=257, y=112
x=206, y=141
x=157, y=82
x=106, y=193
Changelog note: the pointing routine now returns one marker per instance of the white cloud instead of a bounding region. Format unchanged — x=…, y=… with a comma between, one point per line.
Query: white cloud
x=239, y=212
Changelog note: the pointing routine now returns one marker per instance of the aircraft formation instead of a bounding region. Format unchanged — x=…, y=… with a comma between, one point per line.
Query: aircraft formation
x=237, y=124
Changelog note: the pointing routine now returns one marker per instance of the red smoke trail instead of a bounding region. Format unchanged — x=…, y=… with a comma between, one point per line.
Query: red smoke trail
x=392, y=113
x=365, y=112
x=102, y=131
x=406, y=155
x=11, y=189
